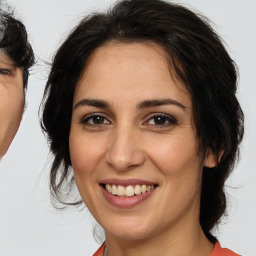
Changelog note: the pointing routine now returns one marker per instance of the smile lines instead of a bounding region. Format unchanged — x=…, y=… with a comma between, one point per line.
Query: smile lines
x=128, y=191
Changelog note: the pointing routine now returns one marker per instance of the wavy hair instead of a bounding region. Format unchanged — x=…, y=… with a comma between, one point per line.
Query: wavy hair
x=200, y=61
x=14, y=43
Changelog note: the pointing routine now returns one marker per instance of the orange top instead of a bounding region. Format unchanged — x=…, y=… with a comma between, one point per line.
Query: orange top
x=218, y=251
x=100, y=250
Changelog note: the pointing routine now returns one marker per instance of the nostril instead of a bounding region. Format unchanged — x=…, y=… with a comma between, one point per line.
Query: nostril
x=124, y=153
x=125, y=163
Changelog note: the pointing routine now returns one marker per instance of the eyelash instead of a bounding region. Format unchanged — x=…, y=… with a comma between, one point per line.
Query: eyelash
x=5, y=71
x=86, y=119
x=166, y=118
x=102, y=120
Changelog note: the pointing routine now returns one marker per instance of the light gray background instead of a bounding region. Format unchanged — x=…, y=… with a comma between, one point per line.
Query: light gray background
x=29, y=225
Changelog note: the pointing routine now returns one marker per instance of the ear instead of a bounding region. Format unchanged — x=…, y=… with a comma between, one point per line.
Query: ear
x=211, y=159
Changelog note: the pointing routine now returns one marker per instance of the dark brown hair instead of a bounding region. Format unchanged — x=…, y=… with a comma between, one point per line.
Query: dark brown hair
x=200, y=61
x=14, y=43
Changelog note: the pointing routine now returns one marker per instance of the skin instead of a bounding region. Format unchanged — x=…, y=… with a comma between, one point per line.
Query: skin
x=11, y=101
x=128, y=143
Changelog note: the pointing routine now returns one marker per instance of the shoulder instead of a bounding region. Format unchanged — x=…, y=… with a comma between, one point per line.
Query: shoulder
x=219, y=251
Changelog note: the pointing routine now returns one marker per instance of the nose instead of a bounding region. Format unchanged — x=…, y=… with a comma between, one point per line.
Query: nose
x=125, y=150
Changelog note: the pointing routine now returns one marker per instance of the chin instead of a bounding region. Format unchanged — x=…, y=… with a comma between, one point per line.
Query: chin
x=129, y=229
x=129, y=235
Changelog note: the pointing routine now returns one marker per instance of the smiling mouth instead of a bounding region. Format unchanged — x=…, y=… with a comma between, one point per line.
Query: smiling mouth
x=128, y=191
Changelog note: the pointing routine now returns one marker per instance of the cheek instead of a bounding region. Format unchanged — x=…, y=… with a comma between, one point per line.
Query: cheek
x=12, y=97
x=181, y=168
x=176, y=155
x=11, y=109
x=16, y=110
x=11, y=102
x=85, y=153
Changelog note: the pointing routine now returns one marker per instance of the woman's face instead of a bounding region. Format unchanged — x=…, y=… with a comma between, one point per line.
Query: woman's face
x=132, y=134
x=11, y=101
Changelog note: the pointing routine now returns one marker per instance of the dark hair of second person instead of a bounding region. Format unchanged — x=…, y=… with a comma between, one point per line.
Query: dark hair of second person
x=198, y=58
x=14, y=43
x=16, y=57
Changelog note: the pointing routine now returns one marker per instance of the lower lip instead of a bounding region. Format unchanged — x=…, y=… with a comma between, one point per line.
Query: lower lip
x=126, y=202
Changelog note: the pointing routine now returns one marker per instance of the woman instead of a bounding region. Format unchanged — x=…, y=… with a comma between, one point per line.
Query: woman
x=16, y=57
x=141, y=103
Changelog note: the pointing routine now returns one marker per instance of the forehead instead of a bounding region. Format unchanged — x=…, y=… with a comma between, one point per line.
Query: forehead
x=145, y=54
x=144, y=66
x=5, y=59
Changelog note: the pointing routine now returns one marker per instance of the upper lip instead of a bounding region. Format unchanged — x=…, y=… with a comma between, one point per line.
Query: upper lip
x=127, y=182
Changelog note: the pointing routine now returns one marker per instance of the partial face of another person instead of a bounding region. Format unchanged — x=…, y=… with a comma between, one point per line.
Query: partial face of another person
x=133, y=143
x=11, y=101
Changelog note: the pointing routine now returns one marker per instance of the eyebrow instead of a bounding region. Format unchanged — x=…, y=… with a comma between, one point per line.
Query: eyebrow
x=159, y=102
x=142, y=105
x=93, y=103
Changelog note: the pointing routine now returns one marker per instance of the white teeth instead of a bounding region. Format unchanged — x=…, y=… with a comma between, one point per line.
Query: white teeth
x=120, y=190
x=137, y=190
x=109, y=188
x=114, y=190
x=128, y=191
x=143, y=188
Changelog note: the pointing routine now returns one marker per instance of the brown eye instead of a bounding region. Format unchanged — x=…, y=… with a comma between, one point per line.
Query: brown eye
x=95, y=119
x=161, y=120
